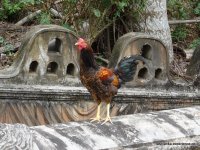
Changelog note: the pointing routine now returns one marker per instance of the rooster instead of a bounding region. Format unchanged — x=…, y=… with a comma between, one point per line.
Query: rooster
x=103, y=83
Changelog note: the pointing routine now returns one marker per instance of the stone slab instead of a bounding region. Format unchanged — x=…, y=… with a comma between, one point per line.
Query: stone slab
x=169, y=129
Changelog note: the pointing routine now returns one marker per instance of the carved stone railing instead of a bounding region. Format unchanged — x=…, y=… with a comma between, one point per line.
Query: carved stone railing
x=155, y=72
x=176, y=129
x=47, y=56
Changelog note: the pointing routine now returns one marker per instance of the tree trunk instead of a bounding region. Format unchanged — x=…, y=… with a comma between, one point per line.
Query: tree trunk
x=154, y=21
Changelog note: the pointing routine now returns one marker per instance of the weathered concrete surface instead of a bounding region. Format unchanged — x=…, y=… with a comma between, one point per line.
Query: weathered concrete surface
x=170, y=129
x=68, y=93
x=38, y=105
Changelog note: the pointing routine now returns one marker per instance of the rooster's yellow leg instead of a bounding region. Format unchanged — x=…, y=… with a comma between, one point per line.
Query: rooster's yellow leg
x=108, y=114
x=97, y=118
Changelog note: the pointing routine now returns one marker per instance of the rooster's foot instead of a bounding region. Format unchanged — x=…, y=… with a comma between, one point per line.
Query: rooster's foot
x=98, y=119
x=107, y=119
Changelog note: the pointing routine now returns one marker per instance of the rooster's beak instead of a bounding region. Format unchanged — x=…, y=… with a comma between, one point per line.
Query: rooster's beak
x=76, y=43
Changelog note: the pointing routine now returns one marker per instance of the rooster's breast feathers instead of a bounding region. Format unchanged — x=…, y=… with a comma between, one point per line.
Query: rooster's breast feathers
x=107, y=76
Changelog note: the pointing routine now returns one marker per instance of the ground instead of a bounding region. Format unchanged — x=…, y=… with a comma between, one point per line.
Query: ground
x=10, y=39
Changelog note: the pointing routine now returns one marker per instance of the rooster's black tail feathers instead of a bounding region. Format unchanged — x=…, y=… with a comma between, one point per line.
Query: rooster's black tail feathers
x=127, y=67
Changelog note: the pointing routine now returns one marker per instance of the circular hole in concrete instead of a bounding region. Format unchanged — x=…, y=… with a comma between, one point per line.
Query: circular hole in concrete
x=54, y=46
x=4, y=63
x=70, y=69
x=52, y=67
x=143, y=73
x=147, y=51
x=158, y=73
x=33, y=66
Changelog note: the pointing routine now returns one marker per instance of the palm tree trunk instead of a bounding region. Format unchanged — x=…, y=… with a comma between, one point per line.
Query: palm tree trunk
x=154, y=21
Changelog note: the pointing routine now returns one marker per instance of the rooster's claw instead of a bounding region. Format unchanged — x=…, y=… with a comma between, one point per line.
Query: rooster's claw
x=107, y=119
x=98, y=119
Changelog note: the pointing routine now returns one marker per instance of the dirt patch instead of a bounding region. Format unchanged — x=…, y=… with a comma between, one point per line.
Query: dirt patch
x=11, y=38
x=179, y=65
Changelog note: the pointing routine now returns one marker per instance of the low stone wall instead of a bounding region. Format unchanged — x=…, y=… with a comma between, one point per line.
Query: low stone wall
x=169, y=129
x=40, y=105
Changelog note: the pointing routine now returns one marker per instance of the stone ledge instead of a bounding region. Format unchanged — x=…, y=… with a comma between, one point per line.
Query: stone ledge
x=169, y=129
x=73, y=94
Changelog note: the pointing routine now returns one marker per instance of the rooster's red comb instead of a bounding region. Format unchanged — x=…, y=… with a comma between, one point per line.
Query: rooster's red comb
x=81, y=43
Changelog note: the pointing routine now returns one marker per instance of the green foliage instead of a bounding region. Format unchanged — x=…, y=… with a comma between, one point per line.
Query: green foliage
x=180, y=9
x=120, y=6
x=98, y=14
x=76, y=13
x=1, y=40
x=44, y=18
x=137, y=9
x=197, y=9
x=10, y=8
x=67, y=26
x=183, y=9
x=180, y=33
x=8, y=47
x=195, y=43
x=38, y=2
